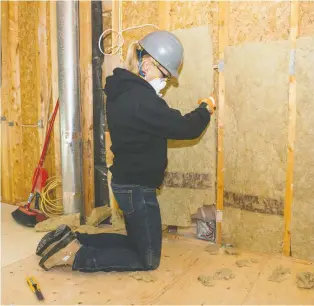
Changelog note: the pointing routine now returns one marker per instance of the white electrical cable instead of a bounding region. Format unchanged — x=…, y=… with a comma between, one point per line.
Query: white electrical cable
x=118, y=47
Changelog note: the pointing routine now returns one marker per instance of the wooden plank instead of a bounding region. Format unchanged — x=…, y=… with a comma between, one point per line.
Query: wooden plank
x=55, y=88
x=43, y=106
x=15, y=132
x=6, y=171
x=87, y=104
x=42, y=68
x=164, y=21
x=115, y=61
x=223, y=42
x=294, y=32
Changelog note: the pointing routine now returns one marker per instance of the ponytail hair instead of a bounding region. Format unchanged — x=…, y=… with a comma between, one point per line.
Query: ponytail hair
x=132, y=62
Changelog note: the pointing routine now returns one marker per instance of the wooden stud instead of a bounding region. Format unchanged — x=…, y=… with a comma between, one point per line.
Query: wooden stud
x=164, y=21
x=55, y=88
x=294, y=32
x=115, y=60
x=45, y=92
x=6, y=170
x=223, y=42
x=87, y=103
x=15, y=132
x=42, y=68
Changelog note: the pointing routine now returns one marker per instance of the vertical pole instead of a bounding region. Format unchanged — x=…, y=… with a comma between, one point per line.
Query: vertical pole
x=294, y=20
x=87, y=103
x=223, y=42
x=70, y=106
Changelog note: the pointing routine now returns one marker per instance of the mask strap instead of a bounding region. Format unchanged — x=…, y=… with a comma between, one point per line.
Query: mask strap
x=139, y=54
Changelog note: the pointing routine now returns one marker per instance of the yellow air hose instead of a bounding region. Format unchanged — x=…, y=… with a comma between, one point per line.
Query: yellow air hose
x=50, y=205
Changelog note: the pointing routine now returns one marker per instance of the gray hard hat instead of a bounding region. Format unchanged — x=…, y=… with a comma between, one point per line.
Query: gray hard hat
x=166, y=49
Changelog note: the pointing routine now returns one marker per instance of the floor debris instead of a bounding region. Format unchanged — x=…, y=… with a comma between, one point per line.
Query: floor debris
x=305, y=280
x=232, y=251
x=98, y=215
x=279, y=274
x=145, y=277
x=242, y=263
x=206, y=280
x=224, y=274
x=254, y=260
x=213, y=249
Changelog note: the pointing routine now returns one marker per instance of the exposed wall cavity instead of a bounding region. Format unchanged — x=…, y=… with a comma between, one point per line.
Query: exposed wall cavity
x=190, y=178
x=302, y=226
x=255, y=144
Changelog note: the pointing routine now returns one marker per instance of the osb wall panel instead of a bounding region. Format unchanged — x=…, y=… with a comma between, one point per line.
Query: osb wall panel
x=255, y=143
x=306, y=18
x=28, y=34
x=187, y=14
x=258, y=21
x=302, y=229
x=191, y=174
x=28, y=16
x=138, y=13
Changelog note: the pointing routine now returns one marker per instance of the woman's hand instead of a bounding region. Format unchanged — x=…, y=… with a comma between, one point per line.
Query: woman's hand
x=211, y=104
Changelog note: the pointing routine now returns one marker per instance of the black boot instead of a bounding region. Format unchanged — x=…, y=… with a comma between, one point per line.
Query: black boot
x=50, y=239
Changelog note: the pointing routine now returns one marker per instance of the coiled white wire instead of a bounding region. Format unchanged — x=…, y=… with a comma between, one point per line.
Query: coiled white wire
x=116, y=49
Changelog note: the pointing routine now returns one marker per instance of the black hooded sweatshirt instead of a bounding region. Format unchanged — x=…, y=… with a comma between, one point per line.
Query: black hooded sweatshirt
x=140, y=122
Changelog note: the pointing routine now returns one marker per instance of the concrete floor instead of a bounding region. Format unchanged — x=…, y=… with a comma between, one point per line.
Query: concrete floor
x=175, y=282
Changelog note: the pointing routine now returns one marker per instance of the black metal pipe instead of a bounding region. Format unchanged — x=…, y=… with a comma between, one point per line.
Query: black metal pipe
x=99, y=118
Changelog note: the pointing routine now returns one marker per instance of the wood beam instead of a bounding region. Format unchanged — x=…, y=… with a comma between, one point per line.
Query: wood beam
x=115, y=61
x=42, y=71
x=6, y=170
x=223, y=42
x=294, y=32
x=86, y=85
x=55, y=88
x=14, y=114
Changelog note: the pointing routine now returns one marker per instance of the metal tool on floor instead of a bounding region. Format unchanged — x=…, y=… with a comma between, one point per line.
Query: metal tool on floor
x=32, y=283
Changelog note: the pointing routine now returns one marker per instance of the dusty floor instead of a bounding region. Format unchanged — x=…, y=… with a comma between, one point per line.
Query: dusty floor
x=184, y=261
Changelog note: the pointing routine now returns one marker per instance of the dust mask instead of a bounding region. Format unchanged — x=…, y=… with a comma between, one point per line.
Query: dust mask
x=158, y=85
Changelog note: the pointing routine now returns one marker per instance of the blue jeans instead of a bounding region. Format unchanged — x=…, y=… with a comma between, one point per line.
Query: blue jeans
x=140, y=250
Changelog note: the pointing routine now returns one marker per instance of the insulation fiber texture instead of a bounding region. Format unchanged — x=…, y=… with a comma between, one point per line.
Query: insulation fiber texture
x=255, y=144
x=302, y=228
x=190, y=178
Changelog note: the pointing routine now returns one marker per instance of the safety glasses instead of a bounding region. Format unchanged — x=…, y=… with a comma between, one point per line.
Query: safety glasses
x=165, y=76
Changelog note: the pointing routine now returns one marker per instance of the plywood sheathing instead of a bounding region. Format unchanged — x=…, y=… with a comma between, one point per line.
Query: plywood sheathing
x=28, y=17
x=306, y=18
x=302, y=230
x=255, y=142
x=258, y=21
x=138, y=13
